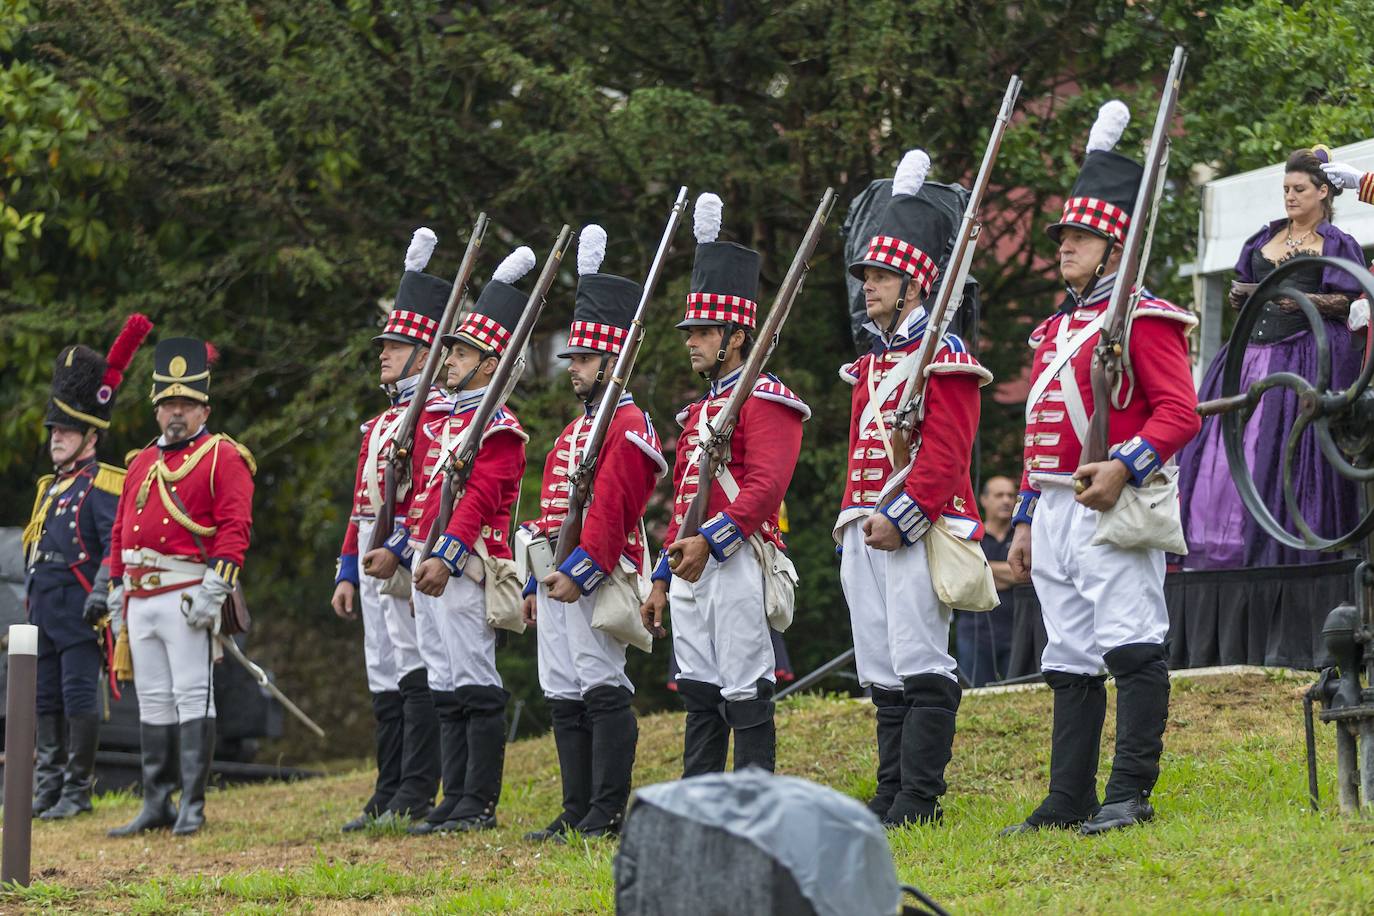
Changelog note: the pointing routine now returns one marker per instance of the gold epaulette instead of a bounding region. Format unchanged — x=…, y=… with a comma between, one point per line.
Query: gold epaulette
x=243, y=451
x=34, y=529
x=110, y=478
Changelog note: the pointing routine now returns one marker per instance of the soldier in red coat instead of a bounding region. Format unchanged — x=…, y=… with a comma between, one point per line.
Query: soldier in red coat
x=581, y=668
x=407, y=729
x=180, y=534
x=456, y=642
x=721, y=638
x=901, y=628
x=1103, y=605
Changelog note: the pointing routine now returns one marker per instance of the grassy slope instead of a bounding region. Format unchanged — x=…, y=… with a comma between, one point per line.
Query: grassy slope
x=1234, y=832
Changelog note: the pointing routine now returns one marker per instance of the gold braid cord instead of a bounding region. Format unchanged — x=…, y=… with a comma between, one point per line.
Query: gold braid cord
x=41, y=501
x=160, y=474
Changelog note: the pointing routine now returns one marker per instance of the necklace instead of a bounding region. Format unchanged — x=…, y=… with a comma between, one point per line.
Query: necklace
x=1292, y=243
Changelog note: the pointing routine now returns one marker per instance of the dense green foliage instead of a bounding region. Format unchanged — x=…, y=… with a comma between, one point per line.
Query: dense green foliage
x=250, y=171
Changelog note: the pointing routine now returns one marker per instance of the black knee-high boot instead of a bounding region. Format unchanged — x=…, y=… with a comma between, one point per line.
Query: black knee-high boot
x=49, y=749
x=572, y=736
x=706, y=739
x=83, y=737
x=1142, y=711
x=615, y=732
x=197, y=752
x=453, y=767
x=420, y=752
x=927, y=745
x=388, y=711
x=756, y=738
x=484, y=708
x=1080, y=705
x=891, y=713
x=158, y=746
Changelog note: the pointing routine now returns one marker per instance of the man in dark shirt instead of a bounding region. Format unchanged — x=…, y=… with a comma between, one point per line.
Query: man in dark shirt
x=984, y=638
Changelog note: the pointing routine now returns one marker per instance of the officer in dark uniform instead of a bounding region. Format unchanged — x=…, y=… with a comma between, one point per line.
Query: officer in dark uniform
x=67, y=546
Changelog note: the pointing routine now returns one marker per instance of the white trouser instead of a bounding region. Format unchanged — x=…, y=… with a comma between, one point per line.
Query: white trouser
x=456, y=645
x=573, y=657
x=1092, y=598
x=389, y=646
x=900, y=628
x=172, y=662
x=720, y=630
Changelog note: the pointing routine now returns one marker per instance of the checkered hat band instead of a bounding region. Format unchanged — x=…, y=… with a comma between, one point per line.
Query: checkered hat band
x=411, y=324
x=1097, y=214
x=719, y=307
x=904, y=257
x=595, y=336
x=489, y=332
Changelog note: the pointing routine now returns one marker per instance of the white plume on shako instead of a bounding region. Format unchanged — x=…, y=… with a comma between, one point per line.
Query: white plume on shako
x=911, y=172
x=1111, y=122
x=591, y=249
x=518, y=263
x=421, y=247
x=706, y=218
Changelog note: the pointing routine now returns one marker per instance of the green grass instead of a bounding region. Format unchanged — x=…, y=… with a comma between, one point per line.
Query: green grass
x=1234, y=832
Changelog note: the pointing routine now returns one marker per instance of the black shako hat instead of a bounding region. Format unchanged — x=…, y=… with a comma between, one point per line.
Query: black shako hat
x=1103, y=198
x=605, y=303
x=497, y=311
x=725, y=275
x=914, y=229
x=420, y=298
x=181, y=369
x=84, y=382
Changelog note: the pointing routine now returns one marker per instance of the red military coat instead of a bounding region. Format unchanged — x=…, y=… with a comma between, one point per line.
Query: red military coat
x=763, y=455
x=370, y=475
x=212, y=475
x=630, y=461
x=484, y=509
x=1153, y=416
x=939, y=483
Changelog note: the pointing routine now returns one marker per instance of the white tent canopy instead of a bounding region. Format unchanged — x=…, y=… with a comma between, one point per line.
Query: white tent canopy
x=1233, y=209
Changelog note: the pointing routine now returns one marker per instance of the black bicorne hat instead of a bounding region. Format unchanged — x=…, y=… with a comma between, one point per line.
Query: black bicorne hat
x=421, y=297
x=498, y=308
x=605, y=303
x=181, y=369
x=725, y=275
x=84, y=382
x=1103, y=198
x=914, y=229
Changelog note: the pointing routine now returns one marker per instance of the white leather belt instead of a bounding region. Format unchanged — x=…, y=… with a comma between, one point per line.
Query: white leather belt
x=143, y=557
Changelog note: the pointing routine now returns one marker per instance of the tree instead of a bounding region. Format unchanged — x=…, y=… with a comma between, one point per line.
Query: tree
x=251, y=172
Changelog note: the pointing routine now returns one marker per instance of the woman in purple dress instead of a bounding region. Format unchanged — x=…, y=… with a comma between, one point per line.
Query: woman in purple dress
x=1221, y=532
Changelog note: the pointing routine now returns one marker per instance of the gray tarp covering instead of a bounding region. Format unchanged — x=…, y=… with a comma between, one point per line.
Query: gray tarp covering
x=834, y=847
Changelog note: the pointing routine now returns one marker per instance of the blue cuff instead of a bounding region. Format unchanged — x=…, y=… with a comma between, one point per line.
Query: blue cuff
x=582, y=569
x=722, y=536
x=911, y=522
x=662, y=572
x=452, y=552
x=1140, y=457
x=347, y=570
x=399, y=543
x=531, y=587
x=1025, y=507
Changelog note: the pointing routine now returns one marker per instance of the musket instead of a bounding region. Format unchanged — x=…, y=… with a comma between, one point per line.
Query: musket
x=263, y=681
x=458, y=467
x=951, y=291
x=584, y=475
x=714, y=449
x=1130, y=277
x=398, y=449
